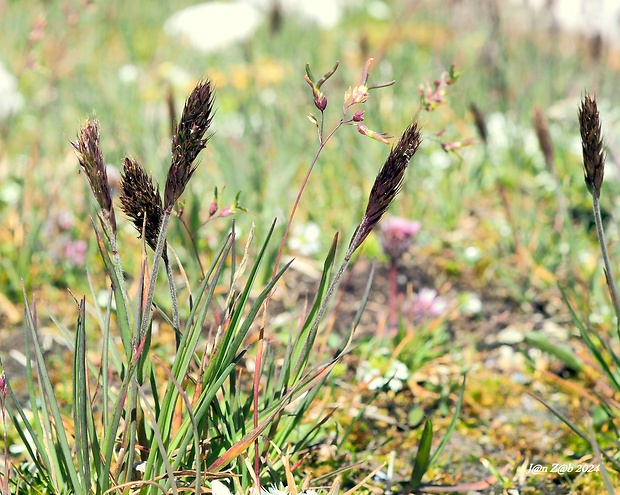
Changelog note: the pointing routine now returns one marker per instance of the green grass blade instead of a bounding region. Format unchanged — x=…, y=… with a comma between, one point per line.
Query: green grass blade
x=422, y=458
x=364, y=301
x=29, y=433
x=185, y=355
x=541, y=342
x=573, y=427
x=592, y=347
x=597, y=455
x=81, y=403
x=304, y=343
x=158, y=439
x=192, y=418
x=65, y=467
x=451, y=426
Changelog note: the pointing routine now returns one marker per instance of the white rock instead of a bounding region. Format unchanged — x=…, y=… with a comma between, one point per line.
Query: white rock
x=587, y=17
x=324, y=13
x=213, y=26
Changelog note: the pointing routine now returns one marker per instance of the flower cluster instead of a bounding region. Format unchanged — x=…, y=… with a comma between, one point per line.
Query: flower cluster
x=433, y=95
x=397, y=234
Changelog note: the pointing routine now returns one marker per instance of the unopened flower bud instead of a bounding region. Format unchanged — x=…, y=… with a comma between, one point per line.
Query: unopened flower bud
x=358, y=116
x=320, y=101
x=213, y=207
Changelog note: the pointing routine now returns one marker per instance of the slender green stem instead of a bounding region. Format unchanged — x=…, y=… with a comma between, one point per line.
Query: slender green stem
x=328, y=295
x=176, y=321
x=159, y=249
x=322, y=145
x=261, y=336
x=608, y=273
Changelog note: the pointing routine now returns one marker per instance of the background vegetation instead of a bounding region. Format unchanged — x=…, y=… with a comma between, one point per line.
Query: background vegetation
x=502, y=225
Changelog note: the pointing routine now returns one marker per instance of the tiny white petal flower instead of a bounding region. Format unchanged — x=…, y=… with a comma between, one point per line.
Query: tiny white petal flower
x=11, y=100
x=128, y=73
x=470, y=303
x=274, y=489
x=219, y=488
x=306, y=239
x=472, y=254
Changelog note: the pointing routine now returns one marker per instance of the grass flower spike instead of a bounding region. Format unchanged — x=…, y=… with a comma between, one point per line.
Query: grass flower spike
x=90, y=156
x=592, y=145
x=189, y=140
x=388, y=183
x=140, y=198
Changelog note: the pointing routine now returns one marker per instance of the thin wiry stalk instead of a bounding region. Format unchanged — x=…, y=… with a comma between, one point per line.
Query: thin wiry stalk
x=261, y=336
x=600, y=232
x=3, y=388
x=176, y=321
x=159, y=249
x=387, y=185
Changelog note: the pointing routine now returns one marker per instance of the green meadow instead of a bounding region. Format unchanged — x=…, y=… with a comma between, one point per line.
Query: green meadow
x=203, y=289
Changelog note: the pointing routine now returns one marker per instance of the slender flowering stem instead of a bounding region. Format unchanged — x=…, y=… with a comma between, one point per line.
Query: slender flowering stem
x=261, y=337
x=322, y=144
x=354, y=96
x=613, y=291
x=594, y=171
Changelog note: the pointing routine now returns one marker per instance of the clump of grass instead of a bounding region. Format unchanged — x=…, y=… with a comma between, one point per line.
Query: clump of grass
x=128, y=430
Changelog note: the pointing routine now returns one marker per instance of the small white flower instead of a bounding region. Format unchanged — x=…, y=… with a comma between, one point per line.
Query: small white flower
x=378, y=10
x=324, y=13
x=128, y=73
x=274, y=489
x=546, y=181
x=268, y=97
x=219, y=488
x=11, y=100
x=472, y=254
x=499, y=131
x=175, y=75
x=394, y=377
x=440, y=160
x=10, y=192
x=470, y=303
x=306, y=239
